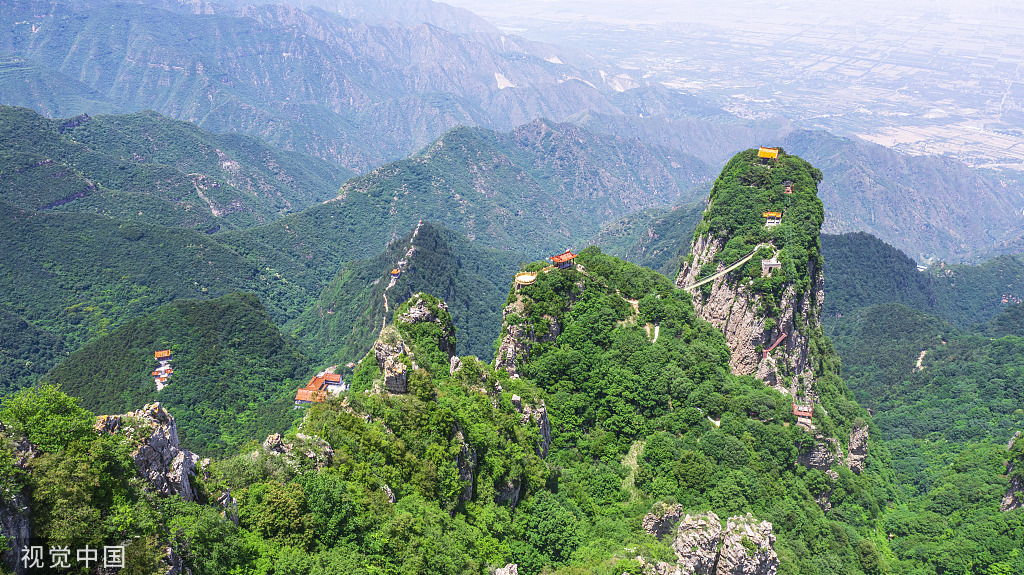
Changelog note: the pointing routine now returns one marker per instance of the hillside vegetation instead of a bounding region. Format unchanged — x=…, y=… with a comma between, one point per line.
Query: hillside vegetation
x=352, y=307
x=234, y=376
x=150, y=168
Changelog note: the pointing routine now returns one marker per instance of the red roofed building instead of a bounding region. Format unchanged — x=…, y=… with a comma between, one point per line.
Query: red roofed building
x=317, y=390
x=563, y=260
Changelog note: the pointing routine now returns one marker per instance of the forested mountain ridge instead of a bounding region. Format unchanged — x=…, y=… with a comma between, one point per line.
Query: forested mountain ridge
x=534, y=191
x=234, y=375
x=153, y=169
x=431, y=259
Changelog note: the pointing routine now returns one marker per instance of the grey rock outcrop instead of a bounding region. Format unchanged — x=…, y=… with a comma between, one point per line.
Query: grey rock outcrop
x=158, y=458
x=659, y=568
x=748, y=548
x=454, y=365
x=390, y=351
x=856, y=460
x=662, y=519
x=15, y=514
x=14, y=525
x=510, y=569
x=537, y=415
x=509, y=492
x=520, y=335
x=1014, y=498
x=465, y=462
x=702, y=547
x=696, y=543
x=421, y=311
x=303, y=451
x=825, y=452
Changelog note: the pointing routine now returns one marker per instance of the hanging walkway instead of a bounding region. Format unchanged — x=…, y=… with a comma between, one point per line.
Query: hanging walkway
x=715, y=276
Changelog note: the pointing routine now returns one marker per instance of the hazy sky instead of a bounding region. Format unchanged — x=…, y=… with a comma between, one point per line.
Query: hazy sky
x=721, y=12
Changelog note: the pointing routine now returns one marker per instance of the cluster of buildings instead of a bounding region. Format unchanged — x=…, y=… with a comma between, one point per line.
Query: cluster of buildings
x=163, y=371
x=323, y=385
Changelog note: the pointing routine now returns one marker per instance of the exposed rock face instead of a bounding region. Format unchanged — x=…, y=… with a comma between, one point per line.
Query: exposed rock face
x=826, y=451
x=734, y=309
x=158, y=458
x=1014, y=498
x=520, y=336
x=509, y=492
x=539, y=417
x=696, y=543
x=510, y=569
x=14, y=511
x=856, y=460
x=702, y=547
x=421, y=311
x=390, y=351
x=747, y=548
x=465, y=462
x=824, y=499
x=303, y=450
x=662, y=520
x=454, y=365
x=14, y=525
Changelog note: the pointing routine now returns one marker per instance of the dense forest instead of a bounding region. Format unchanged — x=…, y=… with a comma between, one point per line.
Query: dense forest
x=617, y=404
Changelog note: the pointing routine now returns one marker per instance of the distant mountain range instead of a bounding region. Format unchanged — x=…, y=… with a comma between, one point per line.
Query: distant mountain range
x=150, y=168
x=364, y=82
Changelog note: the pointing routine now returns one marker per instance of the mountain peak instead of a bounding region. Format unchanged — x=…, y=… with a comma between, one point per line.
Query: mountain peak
x=755, y=267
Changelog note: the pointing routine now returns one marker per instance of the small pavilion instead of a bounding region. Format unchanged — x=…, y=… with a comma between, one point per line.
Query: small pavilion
x=564, y=260
x=772, y=219
x=768, y=153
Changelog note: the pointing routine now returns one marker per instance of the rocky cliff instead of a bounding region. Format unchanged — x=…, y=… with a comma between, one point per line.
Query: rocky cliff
x=762, y=224
x=158, y=457
x=519, y=336
x=425, y=319
x=703, y=547
x=741, y=312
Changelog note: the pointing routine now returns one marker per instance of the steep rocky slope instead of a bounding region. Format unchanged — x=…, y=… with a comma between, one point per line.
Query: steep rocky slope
x=755, y=273
x=769, y=309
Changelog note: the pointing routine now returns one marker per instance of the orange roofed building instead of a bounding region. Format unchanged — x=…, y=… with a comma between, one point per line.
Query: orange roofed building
x=769, y=153
x=563, y=260
x=318, y=389
x=163, y=372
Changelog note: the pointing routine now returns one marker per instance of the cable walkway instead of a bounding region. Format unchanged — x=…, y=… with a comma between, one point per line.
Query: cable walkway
x=717, y=275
